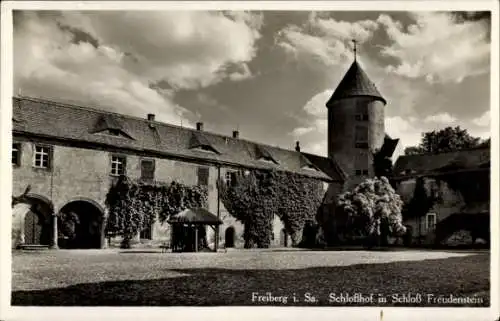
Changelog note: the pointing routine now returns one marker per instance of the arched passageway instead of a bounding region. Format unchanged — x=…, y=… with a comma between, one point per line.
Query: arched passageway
x=229, y=237
x=80, y=225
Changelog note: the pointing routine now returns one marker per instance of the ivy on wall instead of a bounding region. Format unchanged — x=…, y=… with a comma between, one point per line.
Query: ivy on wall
x=135, y=205
x=256, y=197
x=423, y=200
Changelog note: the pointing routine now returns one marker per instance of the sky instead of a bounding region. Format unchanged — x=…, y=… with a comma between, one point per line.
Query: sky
x=267, y=74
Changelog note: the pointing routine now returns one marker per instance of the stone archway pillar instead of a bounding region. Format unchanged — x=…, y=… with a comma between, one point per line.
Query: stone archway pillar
x=54, y=236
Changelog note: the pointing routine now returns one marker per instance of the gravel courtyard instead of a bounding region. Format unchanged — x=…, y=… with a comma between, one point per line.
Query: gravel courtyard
x=247, y=277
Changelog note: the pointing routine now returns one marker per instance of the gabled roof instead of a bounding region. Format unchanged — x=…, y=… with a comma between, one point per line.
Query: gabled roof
x=75, y=123
x=195, y=216
x=425, y=164
x=355, y=83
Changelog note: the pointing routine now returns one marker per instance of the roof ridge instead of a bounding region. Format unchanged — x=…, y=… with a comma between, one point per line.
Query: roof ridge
x=101, y=111
x=448, y=152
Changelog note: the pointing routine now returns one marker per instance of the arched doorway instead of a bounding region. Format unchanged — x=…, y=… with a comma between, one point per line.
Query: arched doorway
x=283, y=238
x=229, y=237
x=80, y=225
x=31, y=221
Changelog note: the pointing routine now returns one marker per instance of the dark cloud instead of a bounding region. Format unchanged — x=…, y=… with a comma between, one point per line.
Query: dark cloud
x=462, y=16
x=79, y=35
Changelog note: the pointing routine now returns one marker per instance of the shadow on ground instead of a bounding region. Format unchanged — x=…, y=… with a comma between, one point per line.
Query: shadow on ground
x=460, y=277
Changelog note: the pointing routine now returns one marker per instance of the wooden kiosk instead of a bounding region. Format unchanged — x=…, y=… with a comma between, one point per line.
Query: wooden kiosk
x=188, y=233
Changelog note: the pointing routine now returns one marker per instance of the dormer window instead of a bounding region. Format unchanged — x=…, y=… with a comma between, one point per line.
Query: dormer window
x=309, y=167
x=201, y=143
x=262, y=154
x=110, y=125
x=114, y=132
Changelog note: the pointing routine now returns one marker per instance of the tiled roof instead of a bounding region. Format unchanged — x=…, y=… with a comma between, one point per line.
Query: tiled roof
x=195, y=215
x=443, y=162
x=327, y=165
x=73, y=123
x=355, y=83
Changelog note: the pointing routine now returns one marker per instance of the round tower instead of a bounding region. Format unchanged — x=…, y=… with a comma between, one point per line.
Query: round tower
x=356, y=126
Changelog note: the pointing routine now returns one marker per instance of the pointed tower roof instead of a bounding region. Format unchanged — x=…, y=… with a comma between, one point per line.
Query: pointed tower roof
x=355, y=83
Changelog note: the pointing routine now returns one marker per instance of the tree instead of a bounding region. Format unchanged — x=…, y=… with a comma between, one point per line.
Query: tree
x=445, y=140
x=371, y=210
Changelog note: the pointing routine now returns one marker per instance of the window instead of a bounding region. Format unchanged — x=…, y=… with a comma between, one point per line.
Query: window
x=361, y=137
x=114, y=132
x=358, y=172
x=16, y=154
x=365, y=172
x=41, y=157
x=203, y=173
x=430, y=222
x=148, y=169
x=361, y=111
x=118, y=165
x=230, y=177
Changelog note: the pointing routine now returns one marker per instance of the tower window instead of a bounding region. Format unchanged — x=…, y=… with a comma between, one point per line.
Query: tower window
x=358, y=172
x=361, y=137
x=361, y=117
x=361, y=111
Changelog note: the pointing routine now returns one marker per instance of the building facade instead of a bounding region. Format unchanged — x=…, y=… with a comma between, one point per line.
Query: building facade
x=70, y=155
x=456, y=187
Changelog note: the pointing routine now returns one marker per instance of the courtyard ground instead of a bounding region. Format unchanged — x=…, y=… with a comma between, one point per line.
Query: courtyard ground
x=249, y=277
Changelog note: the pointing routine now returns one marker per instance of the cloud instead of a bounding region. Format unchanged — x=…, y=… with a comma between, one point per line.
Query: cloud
x=483, y=120
x=323, y=40
x=314, y=125
x=442, y=118
x=436, y=47
x=117, y=60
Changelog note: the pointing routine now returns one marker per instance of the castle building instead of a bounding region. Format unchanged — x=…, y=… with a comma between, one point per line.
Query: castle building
x=69, y=156
x=456, y=187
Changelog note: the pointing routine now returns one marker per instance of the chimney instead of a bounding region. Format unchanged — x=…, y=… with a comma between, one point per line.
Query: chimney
x=151, y=117
x=199, y=126
x=236, y=134
x=297, y=146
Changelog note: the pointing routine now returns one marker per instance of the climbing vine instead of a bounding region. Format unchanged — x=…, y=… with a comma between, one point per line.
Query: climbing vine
x=255, y=198
x=134, y=205
x=423, y=200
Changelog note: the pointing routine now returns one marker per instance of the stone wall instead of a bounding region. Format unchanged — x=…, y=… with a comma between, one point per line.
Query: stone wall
x=450, y=202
